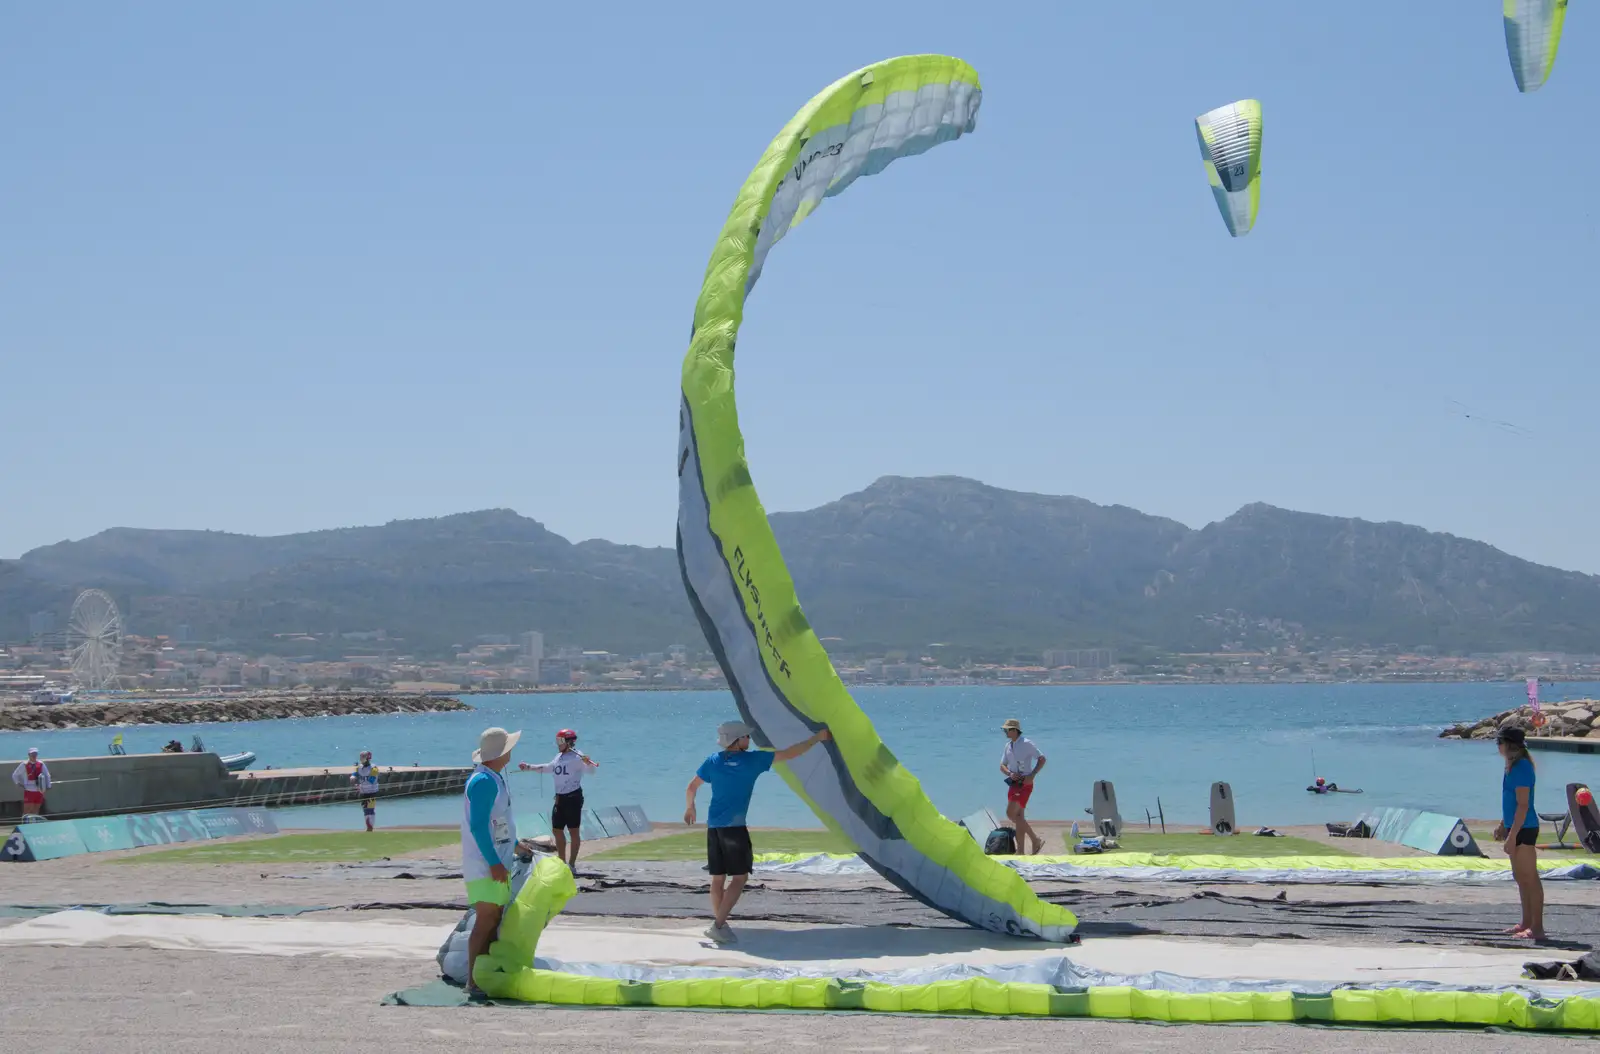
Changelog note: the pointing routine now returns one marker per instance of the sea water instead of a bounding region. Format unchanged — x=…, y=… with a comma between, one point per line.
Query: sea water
x=1158, y=744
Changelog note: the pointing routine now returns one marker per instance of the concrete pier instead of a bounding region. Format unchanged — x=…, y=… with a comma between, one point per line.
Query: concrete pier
x=130, y=783
x=272, y=788
x=1564, y=744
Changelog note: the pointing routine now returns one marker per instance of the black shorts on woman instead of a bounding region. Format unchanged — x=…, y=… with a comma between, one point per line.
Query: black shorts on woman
x=567, y=813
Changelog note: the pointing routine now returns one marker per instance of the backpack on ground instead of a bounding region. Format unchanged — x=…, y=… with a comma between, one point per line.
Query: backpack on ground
x=1002, y=841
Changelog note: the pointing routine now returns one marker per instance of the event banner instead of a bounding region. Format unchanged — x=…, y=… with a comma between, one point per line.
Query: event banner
x=52, y=839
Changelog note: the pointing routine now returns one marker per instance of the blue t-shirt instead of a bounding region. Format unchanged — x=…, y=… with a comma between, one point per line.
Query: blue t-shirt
x=732, y=775
x=1518, y=775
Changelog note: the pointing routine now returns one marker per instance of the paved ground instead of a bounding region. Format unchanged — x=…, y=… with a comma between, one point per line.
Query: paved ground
x=135, y=1001
x=138, y=999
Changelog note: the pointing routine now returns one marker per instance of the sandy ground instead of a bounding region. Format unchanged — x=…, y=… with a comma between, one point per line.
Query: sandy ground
x=132, y=999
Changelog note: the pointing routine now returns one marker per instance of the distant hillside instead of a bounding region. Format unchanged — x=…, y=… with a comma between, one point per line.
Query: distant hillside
x=904, y=563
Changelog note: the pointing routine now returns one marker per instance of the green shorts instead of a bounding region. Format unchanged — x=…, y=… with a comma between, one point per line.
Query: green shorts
x=488, y=891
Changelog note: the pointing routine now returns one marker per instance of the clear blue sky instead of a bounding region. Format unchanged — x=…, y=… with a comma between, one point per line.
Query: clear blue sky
x=273, y=268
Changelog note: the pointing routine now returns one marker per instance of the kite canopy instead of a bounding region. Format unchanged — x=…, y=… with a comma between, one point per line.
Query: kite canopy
x=780, y=674
x=1230, y=144
x=1533, y=33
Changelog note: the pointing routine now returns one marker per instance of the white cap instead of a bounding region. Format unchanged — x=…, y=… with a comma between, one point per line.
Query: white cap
x=33, y=750
x=730, y=732
x=494, y=743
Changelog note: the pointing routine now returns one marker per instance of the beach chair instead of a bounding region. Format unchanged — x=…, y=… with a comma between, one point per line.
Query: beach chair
x=1561, y=821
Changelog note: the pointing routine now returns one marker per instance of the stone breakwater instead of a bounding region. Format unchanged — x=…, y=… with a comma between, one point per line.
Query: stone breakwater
x=1574, y=719
x=94, y=714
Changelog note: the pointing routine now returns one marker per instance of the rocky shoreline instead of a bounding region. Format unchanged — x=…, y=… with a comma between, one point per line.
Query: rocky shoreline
x=100, y=713
x=1574, y=719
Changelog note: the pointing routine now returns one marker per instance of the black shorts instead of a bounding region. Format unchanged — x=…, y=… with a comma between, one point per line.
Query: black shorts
x=1528, y=836
x=568, y=811
x=728, y=851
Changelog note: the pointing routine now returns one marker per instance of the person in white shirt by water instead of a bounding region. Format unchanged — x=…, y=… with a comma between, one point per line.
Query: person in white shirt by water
x=1020, y=763
x=566, y=815
x=33, y=776
x=365, y=778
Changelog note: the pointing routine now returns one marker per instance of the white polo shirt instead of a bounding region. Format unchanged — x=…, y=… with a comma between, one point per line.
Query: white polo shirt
x=1021, y=756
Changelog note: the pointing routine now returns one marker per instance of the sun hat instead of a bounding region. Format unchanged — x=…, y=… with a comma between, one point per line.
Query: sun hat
x=730, y=732
x=1011, y=723
x=494, y=743
x=33, y=750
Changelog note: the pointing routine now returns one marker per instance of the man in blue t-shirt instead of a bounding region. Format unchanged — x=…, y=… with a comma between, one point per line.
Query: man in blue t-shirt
x=732, y=773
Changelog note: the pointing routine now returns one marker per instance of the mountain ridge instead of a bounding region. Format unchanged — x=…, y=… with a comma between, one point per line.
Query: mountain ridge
x=903, y=562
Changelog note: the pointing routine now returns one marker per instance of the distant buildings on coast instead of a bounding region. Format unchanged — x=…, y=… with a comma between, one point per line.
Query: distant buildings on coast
x=373, y=658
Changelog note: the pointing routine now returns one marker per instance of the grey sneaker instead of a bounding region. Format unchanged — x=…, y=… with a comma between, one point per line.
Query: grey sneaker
x=721, y=934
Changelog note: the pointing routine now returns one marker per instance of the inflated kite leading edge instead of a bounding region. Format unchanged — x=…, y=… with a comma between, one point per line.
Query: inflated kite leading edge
x=781, y=677
x=1533, y=34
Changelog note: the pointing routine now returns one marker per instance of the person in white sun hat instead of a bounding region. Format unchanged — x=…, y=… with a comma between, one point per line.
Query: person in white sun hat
x=488, y=841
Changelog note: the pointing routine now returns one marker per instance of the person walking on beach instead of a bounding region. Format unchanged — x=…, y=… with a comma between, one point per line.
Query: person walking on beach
x=566, y=815
x=33, y=776
x=1020, y=763
x=488, y=842
x=732, y=773
x=365, y=778
x=1519, y=830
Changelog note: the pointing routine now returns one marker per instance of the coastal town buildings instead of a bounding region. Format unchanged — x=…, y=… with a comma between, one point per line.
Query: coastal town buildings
x=526, y=662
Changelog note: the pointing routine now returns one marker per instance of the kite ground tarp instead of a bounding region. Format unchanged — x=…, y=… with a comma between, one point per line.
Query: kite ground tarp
x=1048, y=986
x=1318, y=870
x=779, y=673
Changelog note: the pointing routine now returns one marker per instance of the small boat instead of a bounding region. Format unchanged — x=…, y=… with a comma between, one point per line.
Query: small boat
x=51, y=693
x=232, y=762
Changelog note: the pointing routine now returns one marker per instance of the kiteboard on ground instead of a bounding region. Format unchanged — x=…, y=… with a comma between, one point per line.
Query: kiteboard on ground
x=1223, y=821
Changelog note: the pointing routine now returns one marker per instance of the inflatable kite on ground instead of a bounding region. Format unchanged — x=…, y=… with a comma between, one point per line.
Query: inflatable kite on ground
x=780, y=675
x=1533, y=33
x=1230, y=144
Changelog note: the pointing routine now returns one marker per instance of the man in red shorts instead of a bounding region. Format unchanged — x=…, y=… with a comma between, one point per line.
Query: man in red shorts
x=33, y=776
x=1020, y=764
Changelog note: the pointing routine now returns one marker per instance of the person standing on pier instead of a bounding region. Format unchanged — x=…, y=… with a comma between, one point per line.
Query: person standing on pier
x=566, y=815
x=33, y=776
x=488, y=842
x=365, y=778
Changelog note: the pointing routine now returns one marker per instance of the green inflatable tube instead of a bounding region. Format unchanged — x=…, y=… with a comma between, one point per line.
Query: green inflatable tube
x=507, y=973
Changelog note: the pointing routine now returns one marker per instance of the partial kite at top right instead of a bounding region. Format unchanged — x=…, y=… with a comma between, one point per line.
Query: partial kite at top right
x=1533, y=32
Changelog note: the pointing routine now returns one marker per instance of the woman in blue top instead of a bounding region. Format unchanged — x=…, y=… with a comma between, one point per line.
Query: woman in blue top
x=1519, y=829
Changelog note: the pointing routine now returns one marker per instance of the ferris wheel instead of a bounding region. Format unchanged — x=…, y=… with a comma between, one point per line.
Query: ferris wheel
x=94, y=638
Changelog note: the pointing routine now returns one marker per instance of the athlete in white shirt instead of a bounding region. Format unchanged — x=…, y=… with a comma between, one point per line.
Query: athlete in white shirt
x=566, y=816
x=33, y=776
x=1020, y=764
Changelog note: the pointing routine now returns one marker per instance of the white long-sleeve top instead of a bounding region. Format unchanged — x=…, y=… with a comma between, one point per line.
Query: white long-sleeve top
x=20, y=777
x=568, y=768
